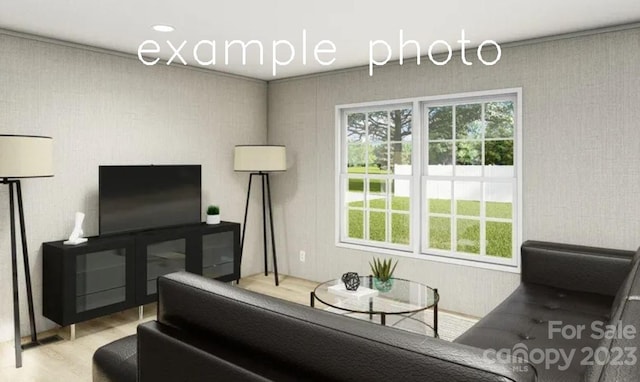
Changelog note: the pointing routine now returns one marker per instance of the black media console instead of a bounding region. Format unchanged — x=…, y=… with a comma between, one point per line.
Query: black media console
x=108, y=274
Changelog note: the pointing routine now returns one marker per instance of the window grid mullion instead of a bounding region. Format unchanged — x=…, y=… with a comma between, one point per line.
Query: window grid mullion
x=454, y=207
x=365, y=185
x=454, y=143
x=387, y=230
x=483, y=224
x=454, y=219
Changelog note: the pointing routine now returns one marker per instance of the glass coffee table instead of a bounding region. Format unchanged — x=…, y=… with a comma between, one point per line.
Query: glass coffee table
x=406, y=301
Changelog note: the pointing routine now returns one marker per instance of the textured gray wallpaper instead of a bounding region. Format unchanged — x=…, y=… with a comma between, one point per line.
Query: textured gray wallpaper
x=106, y=109
x=581, y=148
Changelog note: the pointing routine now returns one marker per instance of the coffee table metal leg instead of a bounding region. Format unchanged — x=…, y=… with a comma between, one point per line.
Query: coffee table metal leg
x=435, y=312
x=383, y=319
x=312, y=297
x=370, y=299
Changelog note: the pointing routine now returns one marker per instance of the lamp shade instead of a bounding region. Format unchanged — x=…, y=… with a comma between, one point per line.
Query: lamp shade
x=25, y=156
x=255, y=158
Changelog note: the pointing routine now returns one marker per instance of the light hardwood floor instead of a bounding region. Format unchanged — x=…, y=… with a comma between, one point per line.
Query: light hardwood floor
x=70, y=361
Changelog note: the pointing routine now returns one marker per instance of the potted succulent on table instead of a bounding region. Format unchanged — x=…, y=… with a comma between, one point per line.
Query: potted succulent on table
x=382, y=274
x=213, y=215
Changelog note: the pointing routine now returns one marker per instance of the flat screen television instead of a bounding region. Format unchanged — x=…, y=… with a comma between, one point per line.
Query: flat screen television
x=135, y=198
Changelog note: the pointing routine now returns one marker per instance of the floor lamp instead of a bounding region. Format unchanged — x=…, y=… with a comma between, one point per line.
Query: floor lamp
x=260, y=160
x=22, y=156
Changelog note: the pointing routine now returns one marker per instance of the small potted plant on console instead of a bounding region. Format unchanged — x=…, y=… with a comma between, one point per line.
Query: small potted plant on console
x=213, y=215
x=382, y=274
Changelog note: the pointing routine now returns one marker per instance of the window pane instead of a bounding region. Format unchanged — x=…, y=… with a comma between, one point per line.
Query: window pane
x=356, y=226
x=400, y=192
x=378, y=143
x=499, y=239
x=377, y=195
x=439, y=232
x=400, y=158
x=468, y=158
x=400, y=125
x=400, y=228
x=468, y=232
x=498, y=200
x=440, y=158
x=468, y=196
x=440, y=122
x=378, y=127
x=499, y=118
x=355, y=127
x=377, y=226
x=499, y=153
x=468, y=153
x=355, y=192
x=469, y=123
x=378, y=158
x=439, y=197
x=356, y=158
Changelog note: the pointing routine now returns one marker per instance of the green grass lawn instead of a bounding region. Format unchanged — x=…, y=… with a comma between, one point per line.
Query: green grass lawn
x=498, y=234
x=378, y=226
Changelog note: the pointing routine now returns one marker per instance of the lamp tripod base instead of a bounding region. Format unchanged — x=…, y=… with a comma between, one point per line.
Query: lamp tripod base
x=16, y=190
x=43, y=341
x=266, y=205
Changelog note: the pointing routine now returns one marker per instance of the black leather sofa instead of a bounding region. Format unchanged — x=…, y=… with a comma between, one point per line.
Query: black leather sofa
x=568, y=286
x=207, y=331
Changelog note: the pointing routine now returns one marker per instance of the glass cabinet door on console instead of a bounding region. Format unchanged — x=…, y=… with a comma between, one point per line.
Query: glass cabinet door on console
x=159, y=253
x=163, y=258
x=220, y=250
x=88, y=280
x=100, y=279
x=217, y=254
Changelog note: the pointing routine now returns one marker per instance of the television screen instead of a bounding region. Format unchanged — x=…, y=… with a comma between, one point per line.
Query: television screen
x=134, y=198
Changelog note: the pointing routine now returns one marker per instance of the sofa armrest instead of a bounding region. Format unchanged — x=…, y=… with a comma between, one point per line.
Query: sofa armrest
x=574, y=267
x=116, y=361
x=170, y=354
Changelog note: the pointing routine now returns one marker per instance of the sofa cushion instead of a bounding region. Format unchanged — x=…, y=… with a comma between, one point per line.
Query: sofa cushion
x=523, y=320
x=574, y=267
x=116, y=361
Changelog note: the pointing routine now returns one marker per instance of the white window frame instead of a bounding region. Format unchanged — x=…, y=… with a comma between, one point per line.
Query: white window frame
x=343, y=177
x=418, y=190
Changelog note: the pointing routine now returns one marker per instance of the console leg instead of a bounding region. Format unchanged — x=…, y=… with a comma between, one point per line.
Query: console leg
x=72, y=332
x=140, y=312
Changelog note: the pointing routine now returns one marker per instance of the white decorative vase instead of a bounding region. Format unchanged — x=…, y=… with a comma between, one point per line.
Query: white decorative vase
x=213, y=219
